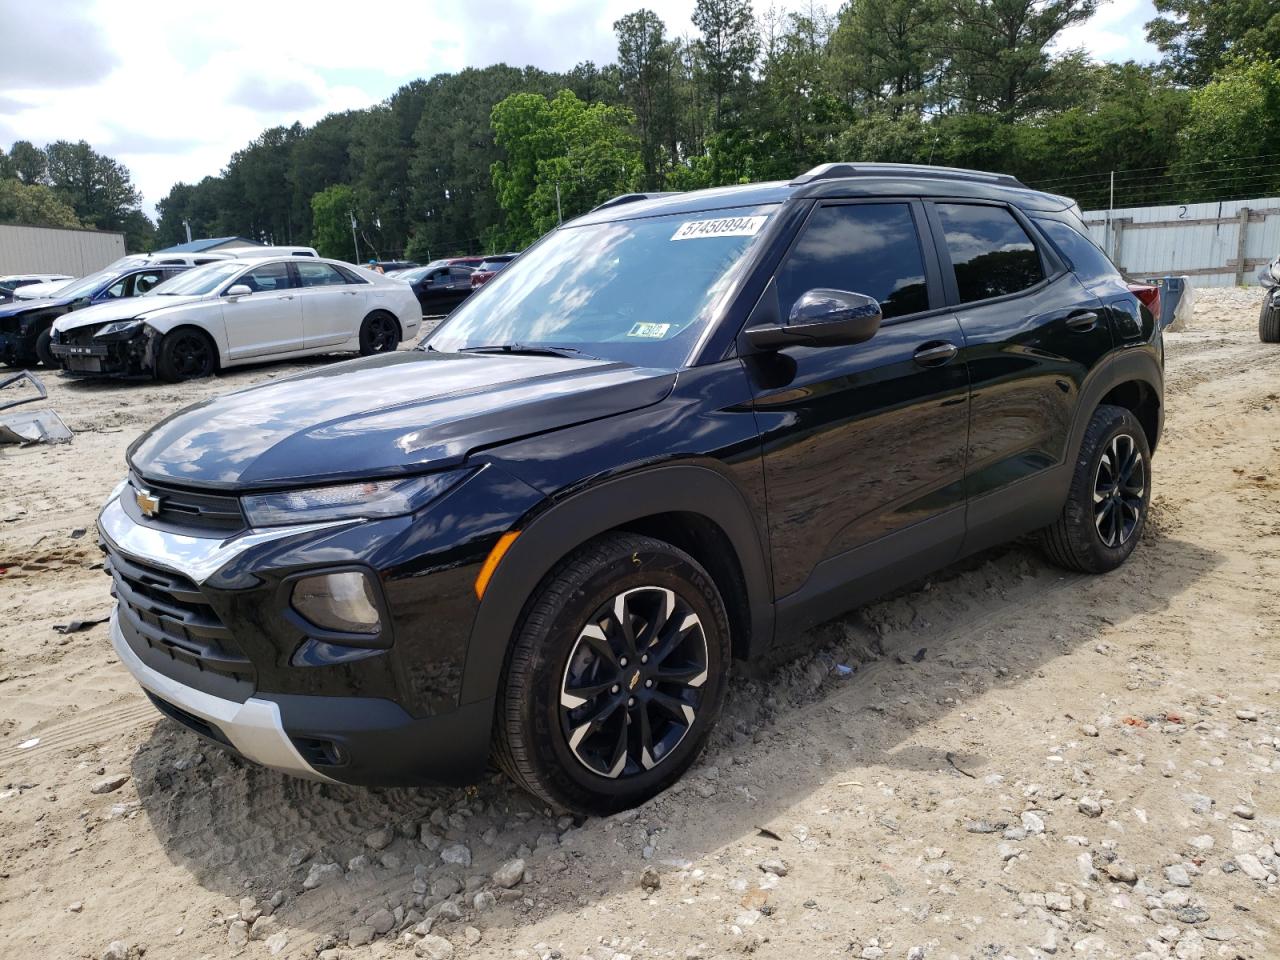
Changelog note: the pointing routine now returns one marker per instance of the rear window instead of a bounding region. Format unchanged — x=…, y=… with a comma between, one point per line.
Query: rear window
x=1082, y=253
x=991, y=253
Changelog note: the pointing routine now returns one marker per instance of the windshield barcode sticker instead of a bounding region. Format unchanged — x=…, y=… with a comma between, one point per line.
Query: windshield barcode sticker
x=650, y=331
x=724, y=227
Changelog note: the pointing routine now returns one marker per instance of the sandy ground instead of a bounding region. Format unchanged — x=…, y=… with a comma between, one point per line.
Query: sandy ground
x=1022, y=763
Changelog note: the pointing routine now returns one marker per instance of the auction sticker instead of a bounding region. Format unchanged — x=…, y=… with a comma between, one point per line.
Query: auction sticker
x=723, y=227
x=650, y=331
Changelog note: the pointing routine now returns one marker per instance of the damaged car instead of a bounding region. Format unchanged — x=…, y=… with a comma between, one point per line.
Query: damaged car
x=238, y=311
x=26, y=326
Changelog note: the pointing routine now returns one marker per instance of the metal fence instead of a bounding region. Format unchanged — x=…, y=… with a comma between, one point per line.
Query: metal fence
x=26, y=249
x=1216, y=244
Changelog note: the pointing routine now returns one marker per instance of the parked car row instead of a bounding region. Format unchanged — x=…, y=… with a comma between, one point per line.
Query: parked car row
x=9, y=285
x=442, y=285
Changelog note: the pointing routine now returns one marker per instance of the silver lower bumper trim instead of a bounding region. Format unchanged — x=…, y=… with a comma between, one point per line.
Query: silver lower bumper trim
x=253, y=727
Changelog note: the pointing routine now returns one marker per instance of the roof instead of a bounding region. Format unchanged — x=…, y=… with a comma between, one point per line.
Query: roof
x=209, y=243
x=833, y=180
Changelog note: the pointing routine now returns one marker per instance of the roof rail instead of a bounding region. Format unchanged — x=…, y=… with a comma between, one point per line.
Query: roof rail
x=837, y=171
x=622, y=198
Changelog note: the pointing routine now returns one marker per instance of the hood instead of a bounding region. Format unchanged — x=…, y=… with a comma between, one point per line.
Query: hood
x=15, y=307
x=385, y=415
x=127, y=308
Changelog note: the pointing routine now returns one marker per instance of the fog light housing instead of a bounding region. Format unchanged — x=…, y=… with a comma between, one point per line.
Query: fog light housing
x=340, y=602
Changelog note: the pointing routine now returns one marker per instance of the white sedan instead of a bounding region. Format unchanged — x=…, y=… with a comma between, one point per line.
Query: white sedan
x=238, y=311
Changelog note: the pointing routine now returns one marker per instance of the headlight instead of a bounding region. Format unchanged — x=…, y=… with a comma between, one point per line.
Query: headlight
x=118, y=330
x=342, y=602
x=383, y=498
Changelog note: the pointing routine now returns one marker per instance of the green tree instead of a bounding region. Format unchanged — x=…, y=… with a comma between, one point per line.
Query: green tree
x=97, y=187
x=888, y=52
x=28, y=162
x=1232, y=117
x=34, y=204
x=563, y=156
x=646, y=66
x=331, y=211
x=999, y=57
x=1199, y=37
x=727, y=51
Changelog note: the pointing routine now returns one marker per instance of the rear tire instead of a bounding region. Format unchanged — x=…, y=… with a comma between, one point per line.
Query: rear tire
x=1269, y=322
x=1110, y=495
x=610, y=745
x=380, y=333
x=186, y=354
x=44, y=353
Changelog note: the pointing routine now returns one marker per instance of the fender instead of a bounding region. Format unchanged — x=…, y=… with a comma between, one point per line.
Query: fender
x=1140, y=363
x=611, y=503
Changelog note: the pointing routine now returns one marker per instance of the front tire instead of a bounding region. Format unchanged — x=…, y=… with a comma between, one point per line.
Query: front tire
x=380, y=333
x=44, y=353
x=1269, y=321
x=186, y=354
x=1110, y=496
x=616, y=678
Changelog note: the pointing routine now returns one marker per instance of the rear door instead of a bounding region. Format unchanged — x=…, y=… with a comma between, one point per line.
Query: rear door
x=269, y=319
x=332, y=308
x=863, y=445
x=1032, y=333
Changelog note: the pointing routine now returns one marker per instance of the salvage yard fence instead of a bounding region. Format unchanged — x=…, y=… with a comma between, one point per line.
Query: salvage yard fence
x=1218, y=244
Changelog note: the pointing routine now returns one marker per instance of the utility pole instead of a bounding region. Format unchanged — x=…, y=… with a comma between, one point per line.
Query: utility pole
x=354, y=241
x=187, y=225
x=1111, y=211
x=559, y=215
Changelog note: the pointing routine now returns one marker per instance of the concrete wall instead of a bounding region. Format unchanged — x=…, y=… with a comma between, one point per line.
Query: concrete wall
x=1217, y=244
x=54, y=250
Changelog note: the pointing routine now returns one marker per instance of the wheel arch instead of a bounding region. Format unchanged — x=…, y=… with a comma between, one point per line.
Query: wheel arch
x=693, y=507
x=1132, y=379
x=218, y=359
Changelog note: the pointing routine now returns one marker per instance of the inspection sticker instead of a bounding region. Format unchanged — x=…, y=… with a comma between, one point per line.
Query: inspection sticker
x=650, y=331
x=723, y=227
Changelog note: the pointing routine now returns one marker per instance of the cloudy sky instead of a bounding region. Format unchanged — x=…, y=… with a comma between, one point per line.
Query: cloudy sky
x=171, y=89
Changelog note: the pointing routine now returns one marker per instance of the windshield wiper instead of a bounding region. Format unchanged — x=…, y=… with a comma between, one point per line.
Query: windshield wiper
x=525, y=350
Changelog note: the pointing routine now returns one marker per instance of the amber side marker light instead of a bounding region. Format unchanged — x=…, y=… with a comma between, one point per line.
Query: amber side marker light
x=491, y=562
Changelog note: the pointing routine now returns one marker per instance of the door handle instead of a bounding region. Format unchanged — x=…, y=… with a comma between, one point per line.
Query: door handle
x=935, y=353
x=1083, y=322
x=285, y=296
x=349, y=293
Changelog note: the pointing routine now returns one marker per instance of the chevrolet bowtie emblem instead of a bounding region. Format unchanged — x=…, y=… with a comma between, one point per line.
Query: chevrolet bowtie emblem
x=148, y=504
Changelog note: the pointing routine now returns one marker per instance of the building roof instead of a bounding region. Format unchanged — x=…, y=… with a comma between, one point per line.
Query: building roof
x=210, y=243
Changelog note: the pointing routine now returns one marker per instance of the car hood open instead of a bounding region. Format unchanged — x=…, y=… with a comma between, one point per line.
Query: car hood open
x=126, y=308
x=384, y=416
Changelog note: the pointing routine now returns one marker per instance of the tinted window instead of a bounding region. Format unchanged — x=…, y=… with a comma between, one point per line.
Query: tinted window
x=319, y=275
x=990, y=251
x=869, y=248
x=269, y=276
x=1081, y=252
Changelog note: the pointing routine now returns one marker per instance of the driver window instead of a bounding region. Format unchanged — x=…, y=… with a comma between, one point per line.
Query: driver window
x=870, y=248
x=117, y=289
x=144, y=282
x=269, y=276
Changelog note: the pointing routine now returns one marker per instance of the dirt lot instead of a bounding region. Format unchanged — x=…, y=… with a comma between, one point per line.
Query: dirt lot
x=1022, y=763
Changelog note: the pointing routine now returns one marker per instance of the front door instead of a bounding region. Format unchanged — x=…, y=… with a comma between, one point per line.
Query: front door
x=269, y=319
x=863, y=445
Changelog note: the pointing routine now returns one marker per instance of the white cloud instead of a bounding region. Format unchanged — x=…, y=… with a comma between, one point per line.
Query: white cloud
x=173, y=89
x=1116, y=32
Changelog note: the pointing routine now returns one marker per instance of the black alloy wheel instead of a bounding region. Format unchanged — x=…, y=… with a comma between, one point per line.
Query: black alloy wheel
x=380, y=333
x=186, y=354
x=633, y=684
x=1119, y=490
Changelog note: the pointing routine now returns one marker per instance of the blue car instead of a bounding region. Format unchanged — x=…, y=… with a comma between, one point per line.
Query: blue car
x=25, y=324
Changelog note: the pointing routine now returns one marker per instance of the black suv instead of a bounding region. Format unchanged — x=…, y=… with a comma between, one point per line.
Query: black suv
x=677, y=429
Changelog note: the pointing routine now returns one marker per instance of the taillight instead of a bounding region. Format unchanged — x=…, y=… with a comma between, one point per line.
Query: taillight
x=1150, y=297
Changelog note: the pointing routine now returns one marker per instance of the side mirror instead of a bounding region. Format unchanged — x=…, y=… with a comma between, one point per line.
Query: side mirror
x=237, y=290
x=821, y=318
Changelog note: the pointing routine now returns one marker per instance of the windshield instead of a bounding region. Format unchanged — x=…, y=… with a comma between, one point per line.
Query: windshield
x=639, y=291
x=88, y=286
x=198, y=281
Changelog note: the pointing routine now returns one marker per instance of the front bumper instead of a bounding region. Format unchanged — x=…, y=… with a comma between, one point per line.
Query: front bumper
x=204, y=622
x=116, y=358
x=253, y=728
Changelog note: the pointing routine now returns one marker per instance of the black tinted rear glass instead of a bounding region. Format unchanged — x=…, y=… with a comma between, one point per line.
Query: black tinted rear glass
x=991, y=253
